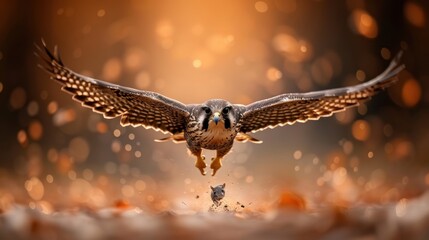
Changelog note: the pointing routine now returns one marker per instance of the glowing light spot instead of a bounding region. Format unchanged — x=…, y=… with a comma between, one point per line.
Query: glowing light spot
x=137, y=154
x=297, y=155
x=35, y=130
x=370, y=154
x=414, y=14
x=22, y=137
x=131, y=136
x=116, y=146
x=364, y=24
x=117, y=133
x=196, y=63
x=411, y=93
x=101, y=13
x=128, y=147
x=292, y=201
x=164, y=29
x=249, y=179
x=18, y=97
x=261, y=6
x=385, y=53
x=273, y=74
x=52, y=107
x=35, y=188
x=60, y=11
x=101, y=127
x=360, y=75
x=49, y=178
x=296, y=168
x=62, y=117
x=112, y=69
x=361, y=130
x=348, y=147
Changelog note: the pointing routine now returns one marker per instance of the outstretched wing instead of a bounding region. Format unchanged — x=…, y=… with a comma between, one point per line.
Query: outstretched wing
x=135, y=107
x=292, y=107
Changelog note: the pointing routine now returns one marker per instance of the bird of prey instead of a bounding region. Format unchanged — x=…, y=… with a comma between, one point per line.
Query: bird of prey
x=216, y=123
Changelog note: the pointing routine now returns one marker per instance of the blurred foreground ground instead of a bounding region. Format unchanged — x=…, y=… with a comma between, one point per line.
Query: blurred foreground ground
x=407, y=219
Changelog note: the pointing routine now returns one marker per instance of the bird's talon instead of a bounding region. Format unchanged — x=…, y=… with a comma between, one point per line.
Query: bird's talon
x=216, y=164
x=200, y=164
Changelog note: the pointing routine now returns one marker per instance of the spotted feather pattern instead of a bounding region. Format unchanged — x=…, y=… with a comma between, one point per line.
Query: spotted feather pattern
x=286, y=109
x=134, y=107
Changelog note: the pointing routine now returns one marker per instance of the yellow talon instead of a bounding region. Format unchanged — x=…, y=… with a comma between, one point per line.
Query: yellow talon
x=215, y=165
x=200, y=164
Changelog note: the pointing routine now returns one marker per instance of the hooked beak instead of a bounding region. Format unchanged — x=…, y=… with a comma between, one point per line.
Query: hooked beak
x=216, y=117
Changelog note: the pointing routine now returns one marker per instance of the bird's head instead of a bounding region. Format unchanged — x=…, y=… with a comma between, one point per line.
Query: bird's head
x=216, y=113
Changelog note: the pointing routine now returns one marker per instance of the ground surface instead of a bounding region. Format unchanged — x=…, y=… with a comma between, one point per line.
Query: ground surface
x=406, y=219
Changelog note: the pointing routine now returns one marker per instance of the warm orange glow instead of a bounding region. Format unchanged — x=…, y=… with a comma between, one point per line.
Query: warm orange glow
x=261, y=6
x=35, y=188
x=411, y=93
x=22, y=137
x=112, y=70
x=101, y=13
x=385, y=53
x=273, y=74
x=290, y=200
x=101, y=127
x=52, y=107
x=361, y=130
x=364, y=24
x=18, y=97
x=35, y=130
x=415, y=14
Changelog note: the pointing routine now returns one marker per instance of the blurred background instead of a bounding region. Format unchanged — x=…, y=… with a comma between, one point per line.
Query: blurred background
x=56, y=154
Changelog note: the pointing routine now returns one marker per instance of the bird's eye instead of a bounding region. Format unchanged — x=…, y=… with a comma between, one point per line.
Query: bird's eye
x=207, y=110
x=225, y=110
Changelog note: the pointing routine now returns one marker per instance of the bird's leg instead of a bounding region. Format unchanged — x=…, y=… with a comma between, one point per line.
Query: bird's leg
x=216, y=162
x=199, y=163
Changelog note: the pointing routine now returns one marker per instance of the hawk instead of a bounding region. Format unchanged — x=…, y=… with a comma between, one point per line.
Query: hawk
x=216, y=123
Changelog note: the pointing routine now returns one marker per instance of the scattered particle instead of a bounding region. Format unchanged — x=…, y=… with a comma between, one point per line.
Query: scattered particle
x=414, y=14
x=35, y=188
x=261, y=6
x=197, y=63
x=18, y=97
x=297, y=154
x=360, y=75
x=364, y=24
x=117, y=133
x=361, y=130
x=385, y=53
x=49, y=178
x=273, y=74
x=411, y=93
x=101, y=13
x=35, y=130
